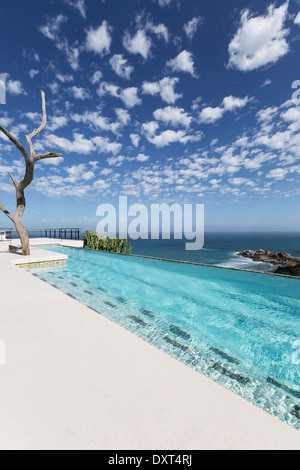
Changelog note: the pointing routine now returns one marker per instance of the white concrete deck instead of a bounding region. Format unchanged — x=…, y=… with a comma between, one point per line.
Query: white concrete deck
x=75, y=380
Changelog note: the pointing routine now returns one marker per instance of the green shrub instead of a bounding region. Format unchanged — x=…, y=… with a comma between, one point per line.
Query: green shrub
x=100, y=242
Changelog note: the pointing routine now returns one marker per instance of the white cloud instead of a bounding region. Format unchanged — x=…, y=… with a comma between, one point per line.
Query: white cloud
x=57, y=122
x=173, y=116
x=106, y=88
x=278, y=173
x=259, y=40
x=33, y=73
x=99, y=40
x=211, y=115
x=167, y=137
x=164, y=87
x=130, y=98
x=142, y=157
x=106, y=146
x=78, y=5
x=52, y=28
x=51, y=31
x=120, y=67
x=138, y=44
x=97, y=121
x=80, y=93
x=123, y=116
x=297, y=19
x=160, y=30
x=164, y=3
x=135, y=139
x=231, y=103
x=191, y=26
x=96, y=77
x=13, y=87
x=64, y=78
x=80, y=144
x=267, y=82
x=116, y=161
x=182, y=63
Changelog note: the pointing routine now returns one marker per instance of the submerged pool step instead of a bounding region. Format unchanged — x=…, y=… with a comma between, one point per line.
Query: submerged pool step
x=138, y=320
x=178, y=332
x=237, y=377
x=222, y=354
x=147, y=312
x=175, y=343
x=283, y=387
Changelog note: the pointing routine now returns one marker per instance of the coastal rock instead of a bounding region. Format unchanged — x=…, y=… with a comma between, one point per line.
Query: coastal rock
x=266, y=256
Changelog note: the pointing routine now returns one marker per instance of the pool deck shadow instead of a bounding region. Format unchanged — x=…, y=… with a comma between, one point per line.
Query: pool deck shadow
x=75, y=380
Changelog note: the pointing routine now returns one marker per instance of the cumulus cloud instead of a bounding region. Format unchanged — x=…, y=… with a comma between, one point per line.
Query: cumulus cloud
x=53, y=26
x=99, y=40
x=138, y=44
x=160, y=30
x=119, y=65
x=80, y=144
x=260, y=40
x=135, y=139
x=184, y=62
x=297, y=19
x=164, y=3
x=96, y=77
x=173, y=116
x=51, y=31
x=231, y=102
x=13, y=87
x=164, y=87
x=192, y=26
x=211, y=115
x=33, y=73
x=130, y=98
x=80, y=93
x=78, y=5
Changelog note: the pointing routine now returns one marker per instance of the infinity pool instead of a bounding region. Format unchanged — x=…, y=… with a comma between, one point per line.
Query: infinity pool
x=241, y=329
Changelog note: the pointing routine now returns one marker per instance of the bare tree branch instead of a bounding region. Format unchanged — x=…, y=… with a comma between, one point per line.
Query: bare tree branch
x=43, y=156
x=16, y=142
x=39, y=130
x=13, y=180
x=2, y=208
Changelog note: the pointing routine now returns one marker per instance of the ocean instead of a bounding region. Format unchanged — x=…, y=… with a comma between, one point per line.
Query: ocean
x=220, y=249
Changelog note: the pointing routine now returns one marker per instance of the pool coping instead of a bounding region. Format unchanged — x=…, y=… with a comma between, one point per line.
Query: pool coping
x=103, y=387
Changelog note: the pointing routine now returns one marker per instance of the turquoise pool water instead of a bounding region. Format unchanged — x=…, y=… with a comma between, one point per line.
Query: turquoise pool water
x=241, y=329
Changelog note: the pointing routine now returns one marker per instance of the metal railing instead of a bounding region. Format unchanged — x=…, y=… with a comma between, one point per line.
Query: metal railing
x=63, y=233
x=58, y=233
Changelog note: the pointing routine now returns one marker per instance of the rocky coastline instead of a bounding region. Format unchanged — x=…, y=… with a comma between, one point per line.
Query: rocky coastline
x=284, y=263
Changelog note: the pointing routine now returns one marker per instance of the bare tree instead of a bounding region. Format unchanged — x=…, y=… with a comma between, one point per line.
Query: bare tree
x=30, y=161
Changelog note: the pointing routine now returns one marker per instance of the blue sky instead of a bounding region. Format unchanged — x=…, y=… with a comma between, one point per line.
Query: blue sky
x=160, y=100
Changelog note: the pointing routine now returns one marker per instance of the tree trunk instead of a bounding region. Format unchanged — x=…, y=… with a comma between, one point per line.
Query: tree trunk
x=18, y=221
x=23, y=237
